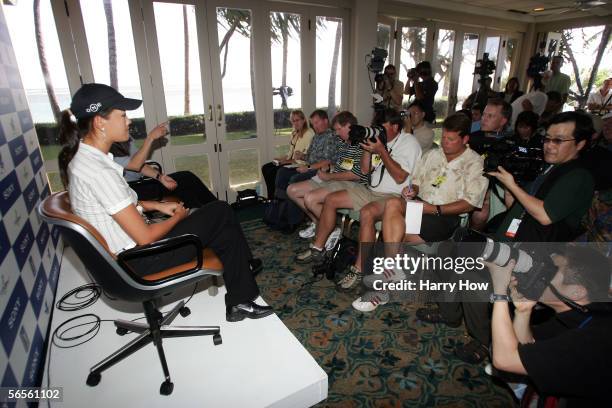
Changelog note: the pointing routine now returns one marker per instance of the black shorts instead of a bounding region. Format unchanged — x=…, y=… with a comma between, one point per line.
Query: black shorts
x=435, y=228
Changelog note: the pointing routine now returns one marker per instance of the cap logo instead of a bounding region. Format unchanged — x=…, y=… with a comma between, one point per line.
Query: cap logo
x=94, y=107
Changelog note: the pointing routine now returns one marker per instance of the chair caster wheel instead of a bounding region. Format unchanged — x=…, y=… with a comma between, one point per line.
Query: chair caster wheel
x=166, y=388
x=185, y=311
x=217, y=339
x=93, y=379
x=121, y=331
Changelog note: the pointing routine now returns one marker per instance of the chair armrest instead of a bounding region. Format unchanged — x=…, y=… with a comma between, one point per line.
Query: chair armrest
x=165, y=245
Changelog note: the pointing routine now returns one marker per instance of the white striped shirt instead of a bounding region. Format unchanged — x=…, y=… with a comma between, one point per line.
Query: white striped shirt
x=97, y=191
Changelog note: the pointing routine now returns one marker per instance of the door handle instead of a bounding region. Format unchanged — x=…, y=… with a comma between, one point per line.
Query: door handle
x=220, y=117
x=210, y=113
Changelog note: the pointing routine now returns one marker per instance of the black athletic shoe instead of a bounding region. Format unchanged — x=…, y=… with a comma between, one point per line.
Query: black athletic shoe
x=256, y=266
x=249, y=310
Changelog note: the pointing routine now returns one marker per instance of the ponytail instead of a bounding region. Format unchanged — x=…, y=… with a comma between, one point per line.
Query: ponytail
x=69, y=137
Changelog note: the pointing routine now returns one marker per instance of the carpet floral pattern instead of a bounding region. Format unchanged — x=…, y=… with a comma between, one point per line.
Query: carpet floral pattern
x=386, y=358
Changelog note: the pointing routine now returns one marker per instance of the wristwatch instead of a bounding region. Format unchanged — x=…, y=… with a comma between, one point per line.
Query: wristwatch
x=499, y=298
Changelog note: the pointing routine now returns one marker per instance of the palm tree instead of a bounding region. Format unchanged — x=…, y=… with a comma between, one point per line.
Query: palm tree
x=566, y=50
x=40, y=45
x=331, y=92
x=112, y=46
x=282, y=25
x=186, y=60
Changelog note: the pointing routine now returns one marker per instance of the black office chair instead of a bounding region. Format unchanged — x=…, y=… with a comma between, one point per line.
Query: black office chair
x=117, y=279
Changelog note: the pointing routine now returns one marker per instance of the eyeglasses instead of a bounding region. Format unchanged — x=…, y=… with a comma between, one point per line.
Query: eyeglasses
x=555, y=140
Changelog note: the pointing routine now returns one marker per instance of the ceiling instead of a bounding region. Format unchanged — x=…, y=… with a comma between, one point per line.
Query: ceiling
x=522, y=9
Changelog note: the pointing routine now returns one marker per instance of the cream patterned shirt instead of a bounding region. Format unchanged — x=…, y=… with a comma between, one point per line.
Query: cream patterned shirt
x=443, y=182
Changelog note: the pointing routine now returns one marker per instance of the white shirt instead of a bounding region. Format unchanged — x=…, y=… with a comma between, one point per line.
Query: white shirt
x=598, y=98
x=537, y=98
x=97, y=191
x=405, y=150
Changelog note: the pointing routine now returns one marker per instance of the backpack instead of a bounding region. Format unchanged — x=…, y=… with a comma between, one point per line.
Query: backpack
x=341, y=257
x=275, y=214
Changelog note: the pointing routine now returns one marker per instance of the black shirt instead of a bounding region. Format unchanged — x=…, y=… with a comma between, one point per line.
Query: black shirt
x=430, y=87
x=572, y=358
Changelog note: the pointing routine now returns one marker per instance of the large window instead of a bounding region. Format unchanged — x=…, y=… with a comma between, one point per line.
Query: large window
x=466, y=69
x=413, y=43
x=444, y=62
x=33, y=35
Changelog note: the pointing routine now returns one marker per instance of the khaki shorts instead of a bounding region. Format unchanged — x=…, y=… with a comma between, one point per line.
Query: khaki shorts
x=361, y=196
x=333, y=186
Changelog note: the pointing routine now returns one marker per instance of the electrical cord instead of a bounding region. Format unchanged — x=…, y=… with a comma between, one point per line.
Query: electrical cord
x=84, y=296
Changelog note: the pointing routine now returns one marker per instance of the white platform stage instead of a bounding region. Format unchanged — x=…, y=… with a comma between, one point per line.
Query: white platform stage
x=259, y=364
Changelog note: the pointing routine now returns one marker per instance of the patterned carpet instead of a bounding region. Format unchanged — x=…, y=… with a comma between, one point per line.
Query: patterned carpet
x=386, y=358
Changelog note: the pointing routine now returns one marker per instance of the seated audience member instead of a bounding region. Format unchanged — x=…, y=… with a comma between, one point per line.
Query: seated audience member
x=423, y=90
x=494, y=126
x=526, y=130
x=183, y=184
x=390, y=88
x=511, y=91
x=414, y=123
x=320, y=154
x=554, y=105
x=476, y=113
x=389, y=168
x=601, y=100
x=534, y=101
x=309, y=195
x=550, y=212
x=449, y=182
x=100, y=195
x=567, y=359
x=301, y=136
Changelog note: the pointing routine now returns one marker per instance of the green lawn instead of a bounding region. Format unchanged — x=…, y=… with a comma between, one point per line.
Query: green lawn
x=244, y=164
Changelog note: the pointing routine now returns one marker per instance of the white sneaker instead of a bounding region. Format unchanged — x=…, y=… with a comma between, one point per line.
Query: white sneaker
x=333, y=238
x=309, y=231
x=370, y=301
x=388, y=275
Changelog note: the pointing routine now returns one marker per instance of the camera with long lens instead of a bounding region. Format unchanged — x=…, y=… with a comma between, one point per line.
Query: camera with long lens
x=534, y=268
x=524, y=163
x=360, y=134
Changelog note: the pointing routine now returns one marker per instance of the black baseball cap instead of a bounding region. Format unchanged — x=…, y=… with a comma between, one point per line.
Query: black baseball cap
x=93, y=98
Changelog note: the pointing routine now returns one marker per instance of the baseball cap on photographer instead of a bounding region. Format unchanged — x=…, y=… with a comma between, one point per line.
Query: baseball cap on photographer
x=93, y=98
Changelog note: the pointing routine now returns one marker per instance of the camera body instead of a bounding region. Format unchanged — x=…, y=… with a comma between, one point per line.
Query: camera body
x=524, y=163
x=413, y=73
x=534, y=268
x=484, y=67
x=360, y=134
x=377, y=60
x=537, y=65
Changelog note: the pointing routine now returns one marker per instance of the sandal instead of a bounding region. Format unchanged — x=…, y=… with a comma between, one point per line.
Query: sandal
x=473, y=352
x=433, y=315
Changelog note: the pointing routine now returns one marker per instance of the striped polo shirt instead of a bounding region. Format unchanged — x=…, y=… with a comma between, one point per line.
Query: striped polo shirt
x=98, y=191
x=348, y=158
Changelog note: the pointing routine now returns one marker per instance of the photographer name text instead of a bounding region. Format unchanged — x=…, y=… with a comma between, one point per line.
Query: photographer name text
x=428, y=285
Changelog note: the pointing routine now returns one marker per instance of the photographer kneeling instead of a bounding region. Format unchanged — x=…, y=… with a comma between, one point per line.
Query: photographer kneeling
x=550, y=212
x=567, y=357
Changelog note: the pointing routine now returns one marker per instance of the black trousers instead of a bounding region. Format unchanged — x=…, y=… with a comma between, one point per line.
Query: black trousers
x=190, y=190
x=476, y=314
x=216, y=226
x=269, y=171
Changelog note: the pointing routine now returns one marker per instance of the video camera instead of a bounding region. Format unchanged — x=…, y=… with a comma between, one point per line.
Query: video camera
x=359, y=134
x=534, y=268
x=524, y=163
x=377, y=62
x=538, y=64
x=484, y=67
